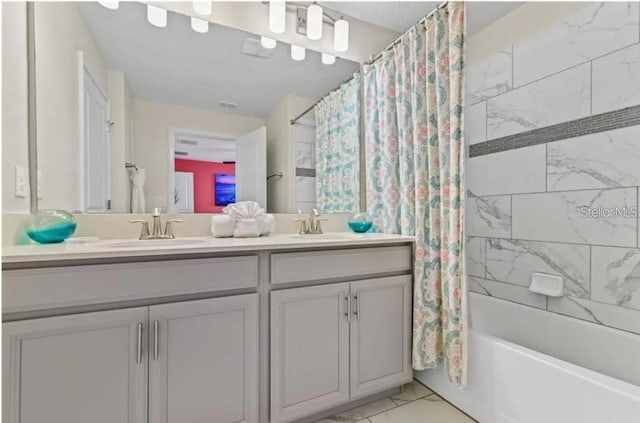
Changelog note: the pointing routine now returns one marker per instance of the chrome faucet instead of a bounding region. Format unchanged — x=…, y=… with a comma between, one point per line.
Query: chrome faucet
x=313, y=226
x=157, y=232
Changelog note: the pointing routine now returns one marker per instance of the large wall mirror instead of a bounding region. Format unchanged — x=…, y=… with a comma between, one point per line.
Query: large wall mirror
x=131, y=116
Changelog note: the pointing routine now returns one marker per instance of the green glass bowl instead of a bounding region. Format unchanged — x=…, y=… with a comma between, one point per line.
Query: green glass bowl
x=50, y=226
x=360, y=223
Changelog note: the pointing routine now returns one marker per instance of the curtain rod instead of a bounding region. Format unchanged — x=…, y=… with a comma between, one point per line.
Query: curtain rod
x=375, y=58
x=295, y=119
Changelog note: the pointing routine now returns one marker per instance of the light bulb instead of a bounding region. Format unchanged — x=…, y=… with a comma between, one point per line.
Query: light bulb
x=341, y=36
x=202, y=7
x=314, y=22
x=277, y=16
x=113, y=4
x=328, y=59
x=267, y=42
x=297, y=53
x=156, y=16
x=199, y=25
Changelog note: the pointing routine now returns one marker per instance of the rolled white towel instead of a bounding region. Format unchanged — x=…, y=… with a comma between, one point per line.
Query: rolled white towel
x=247, y=228
x=222, y=226
x=267, y=224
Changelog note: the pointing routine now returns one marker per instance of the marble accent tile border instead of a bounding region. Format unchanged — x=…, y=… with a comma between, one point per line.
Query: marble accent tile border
x=301, y=171
x=602, y=122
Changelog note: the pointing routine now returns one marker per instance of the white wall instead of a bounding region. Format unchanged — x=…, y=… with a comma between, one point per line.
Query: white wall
x=153, y=122
x=60, y=34
x=14, y=103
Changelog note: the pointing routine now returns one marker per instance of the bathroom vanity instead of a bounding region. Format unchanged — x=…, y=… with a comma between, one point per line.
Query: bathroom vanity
x=222, y=330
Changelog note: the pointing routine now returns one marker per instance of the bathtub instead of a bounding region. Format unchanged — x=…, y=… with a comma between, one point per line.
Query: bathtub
x=512, y=383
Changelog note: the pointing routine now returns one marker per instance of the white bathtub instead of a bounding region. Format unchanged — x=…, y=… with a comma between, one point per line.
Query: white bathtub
x=509, y=383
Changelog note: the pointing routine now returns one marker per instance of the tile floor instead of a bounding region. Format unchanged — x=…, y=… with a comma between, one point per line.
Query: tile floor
x=415, y=404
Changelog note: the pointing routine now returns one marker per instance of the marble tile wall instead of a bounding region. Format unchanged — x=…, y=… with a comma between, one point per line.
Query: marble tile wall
x=305, y=161
x=566, y=205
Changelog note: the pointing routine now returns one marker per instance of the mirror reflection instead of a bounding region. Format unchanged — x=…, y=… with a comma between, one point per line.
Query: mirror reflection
x=188, y=117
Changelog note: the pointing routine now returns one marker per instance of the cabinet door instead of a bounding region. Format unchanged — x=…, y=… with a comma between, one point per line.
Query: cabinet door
x=380, y=334
x=203, y=361
x=309, y=350
x=76, y=369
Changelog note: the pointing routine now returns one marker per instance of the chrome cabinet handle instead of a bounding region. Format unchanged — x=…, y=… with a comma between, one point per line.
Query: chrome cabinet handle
x=356, y=310
x=155, y=339
x=139, y=346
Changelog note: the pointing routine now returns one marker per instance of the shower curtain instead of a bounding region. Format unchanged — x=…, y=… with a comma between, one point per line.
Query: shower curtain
x=414, y=163
x=338, y=149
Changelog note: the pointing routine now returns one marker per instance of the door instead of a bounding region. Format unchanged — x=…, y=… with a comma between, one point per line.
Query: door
x=204, y=361
x=183, y=197
x=75, y=369
x=251, y=167
x=380, y=334
x=309, y=350
x=97, y=168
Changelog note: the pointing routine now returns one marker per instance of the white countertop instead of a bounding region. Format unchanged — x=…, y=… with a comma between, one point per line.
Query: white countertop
x=126, y=248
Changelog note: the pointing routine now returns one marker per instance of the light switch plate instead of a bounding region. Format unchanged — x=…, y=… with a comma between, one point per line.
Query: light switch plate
x=20, y=181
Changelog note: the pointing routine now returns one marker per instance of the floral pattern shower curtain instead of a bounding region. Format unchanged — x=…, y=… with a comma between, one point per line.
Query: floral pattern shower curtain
x=338, y=149
x=414, y=163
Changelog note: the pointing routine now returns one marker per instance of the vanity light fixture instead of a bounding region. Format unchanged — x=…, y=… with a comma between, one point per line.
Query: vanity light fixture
x=314, y=22
x=341, y=35
x=297, y=53
x=199, y=25
x=328, y=59
x=202, y=7
x=110, y=4
x=277, y=16
x=267, y=42
x=157, y=16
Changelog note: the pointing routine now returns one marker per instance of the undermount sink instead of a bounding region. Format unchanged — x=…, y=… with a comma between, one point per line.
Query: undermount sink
x=136, y=243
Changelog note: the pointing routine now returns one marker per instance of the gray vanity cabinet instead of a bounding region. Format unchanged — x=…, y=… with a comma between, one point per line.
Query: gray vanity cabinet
x=380, y=334
x=309, y=350
x=203, y=361
x=201, y=358
x=334, y=343
x=76, y=369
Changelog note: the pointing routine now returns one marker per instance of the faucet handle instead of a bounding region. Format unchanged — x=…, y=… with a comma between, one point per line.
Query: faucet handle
x=144, y=230
x=303, y=226
x=168, y=229
x=318, y=228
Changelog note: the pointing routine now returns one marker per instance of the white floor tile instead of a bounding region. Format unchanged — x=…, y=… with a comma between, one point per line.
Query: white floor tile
x=364, y=411
x=410, y=392
x=430, y=409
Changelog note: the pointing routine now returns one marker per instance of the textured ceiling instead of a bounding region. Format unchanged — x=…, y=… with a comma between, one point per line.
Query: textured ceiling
x=176, y=65
x=401, y=15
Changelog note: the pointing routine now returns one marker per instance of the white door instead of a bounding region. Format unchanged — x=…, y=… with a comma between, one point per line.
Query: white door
x=251, y=167
x=380, y=334
x=97, y=169
x=75, y=369
x=204, y=361
x=309, y=350
x=183, y=196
